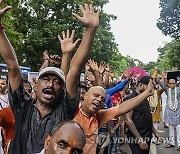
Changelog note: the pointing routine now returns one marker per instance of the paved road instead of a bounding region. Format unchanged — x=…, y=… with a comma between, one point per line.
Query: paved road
x=160, y=149
x=157, y=149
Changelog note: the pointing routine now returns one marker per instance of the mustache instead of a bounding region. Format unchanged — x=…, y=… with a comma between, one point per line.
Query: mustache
x=49, y=90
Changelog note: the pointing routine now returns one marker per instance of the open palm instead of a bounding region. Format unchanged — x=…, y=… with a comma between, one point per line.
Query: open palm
x=4, y=10
x=67, y=44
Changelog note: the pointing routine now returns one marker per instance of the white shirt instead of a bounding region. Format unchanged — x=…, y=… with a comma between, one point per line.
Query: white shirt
x=4, y=102
x=42, y=152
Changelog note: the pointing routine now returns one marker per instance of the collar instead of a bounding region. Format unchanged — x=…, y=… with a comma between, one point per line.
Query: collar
x=42, y=152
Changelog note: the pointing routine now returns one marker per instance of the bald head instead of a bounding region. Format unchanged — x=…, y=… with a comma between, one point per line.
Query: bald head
x=97, y=88
x=94, y=99
x=62, y=139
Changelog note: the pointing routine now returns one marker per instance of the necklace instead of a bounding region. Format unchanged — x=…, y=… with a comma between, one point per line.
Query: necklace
x=172, y=106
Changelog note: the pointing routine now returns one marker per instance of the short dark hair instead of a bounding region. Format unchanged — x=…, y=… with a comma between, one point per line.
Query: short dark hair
x=144, y=80
x=83, y=86
x=60, y=124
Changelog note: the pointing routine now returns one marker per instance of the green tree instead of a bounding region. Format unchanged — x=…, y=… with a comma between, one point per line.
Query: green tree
x=149, y=66
x=169, y=21
x=38, y=22
x=169, y=55
x=9, y=24
x=118, y=64
x=130, y=61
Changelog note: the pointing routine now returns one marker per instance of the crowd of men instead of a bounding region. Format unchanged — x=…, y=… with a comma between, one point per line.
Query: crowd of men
x=57, y=113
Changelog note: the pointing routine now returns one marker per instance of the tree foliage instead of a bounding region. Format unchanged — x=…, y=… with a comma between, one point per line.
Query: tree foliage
x=11, y=30
x=169, y=56
x=169, y=21
x=33, y=25
x=36, y=23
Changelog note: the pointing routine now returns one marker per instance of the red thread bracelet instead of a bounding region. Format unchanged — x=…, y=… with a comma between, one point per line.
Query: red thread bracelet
x=48, y=60
x=1, y=27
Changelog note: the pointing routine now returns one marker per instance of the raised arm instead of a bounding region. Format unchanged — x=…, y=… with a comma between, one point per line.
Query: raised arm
x=132, y=103
x=101, y=72
x=95, y=71
x=107, y=73
x=8, y=54
x=118, y=87
x=90, y=20
x=67, y=47
x=164, y=88
x=87, y=67
x=46, y=60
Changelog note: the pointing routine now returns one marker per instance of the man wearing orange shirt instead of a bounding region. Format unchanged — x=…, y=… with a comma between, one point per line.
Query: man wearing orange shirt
x=91, y=118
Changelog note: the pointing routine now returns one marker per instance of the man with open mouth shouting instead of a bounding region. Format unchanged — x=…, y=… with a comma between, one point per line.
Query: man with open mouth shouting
x=90, y=116
x=56, y=99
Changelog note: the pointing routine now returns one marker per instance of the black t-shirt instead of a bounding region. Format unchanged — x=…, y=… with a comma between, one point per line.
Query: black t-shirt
x=141, y=117
x=31, y=128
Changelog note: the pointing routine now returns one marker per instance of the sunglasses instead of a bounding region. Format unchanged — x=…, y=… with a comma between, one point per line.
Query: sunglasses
x=172, y=83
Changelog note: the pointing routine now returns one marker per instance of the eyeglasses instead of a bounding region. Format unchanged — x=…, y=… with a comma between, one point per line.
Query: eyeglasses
x=172, y=83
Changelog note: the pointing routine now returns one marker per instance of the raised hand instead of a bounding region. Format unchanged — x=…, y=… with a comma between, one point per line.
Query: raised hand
x=164, y=75
x=130, y=75
x=45, y=55
x=56, y=59
x=90, y=77
x=4, y=10
x=138, y=74
x=150, y=88
x=102, y=67
x=107, y=67
x=66, y=41
x=89, y=19
x=87, y=67
x=34, y=83
x=111, y=74
x=93, y=65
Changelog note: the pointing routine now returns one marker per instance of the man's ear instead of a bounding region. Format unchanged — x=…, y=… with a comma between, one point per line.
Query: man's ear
x=85, y=95
x=47, y=141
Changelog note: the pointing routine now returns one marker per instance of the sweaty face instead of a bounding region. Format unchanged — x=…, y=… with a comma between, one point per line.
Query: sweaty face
x=94, y=99
x=3, y=86
x=69, y=139
x=49, y=88
x=172, y=83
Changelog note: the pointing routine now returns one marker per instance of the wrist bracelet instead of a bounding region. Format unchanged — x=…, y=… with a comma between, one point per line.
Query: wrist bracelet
x=47, y=60
x=1, y=27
